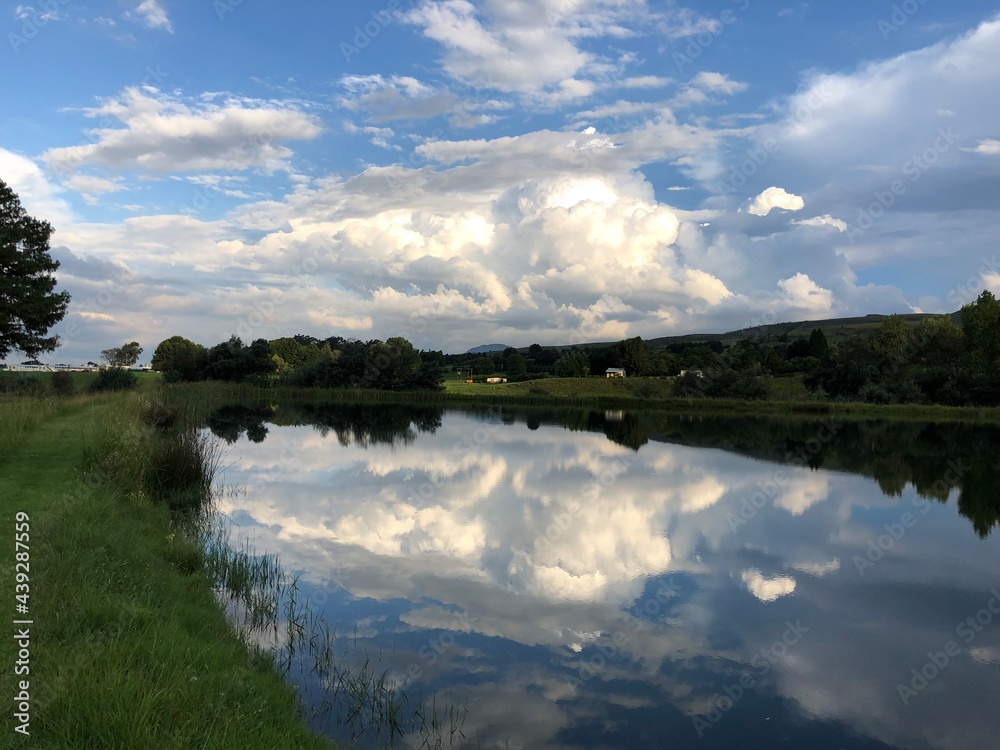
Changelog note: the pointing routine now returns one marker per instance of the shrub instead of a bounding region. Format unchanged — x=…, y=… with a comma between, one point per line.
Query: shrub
x=114, y=379
x=63, y=384
x=24, y=385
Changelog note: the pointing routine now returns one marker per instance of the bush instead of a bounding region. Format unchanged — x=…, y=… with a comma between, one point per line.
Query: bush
x=24, y=385
x=63, y=384
x=873, y=393
x=745, y=385
x=114, y=379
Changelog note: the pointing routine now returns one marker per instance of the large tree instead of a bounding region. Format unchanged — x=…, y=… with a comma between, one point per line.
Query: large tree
x=180, y=359
x=29, y=304
x=122, y=356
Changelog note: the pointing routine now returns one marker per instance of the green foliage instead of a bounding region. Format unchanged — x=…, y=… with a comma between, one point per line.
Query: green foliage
x=392, y=365
x=635, y=356
x=29, y=304
x=515, y=366
x=981, y=325
x=744, y=385
x=235, y=362
x=575, y=364
x=113, y=379
x=818, y=345
x=23, y=385
x=63, y=384
x=483, y=365
x=296, y=354
x=666, y=364
x=180, y=360
x=122, y=356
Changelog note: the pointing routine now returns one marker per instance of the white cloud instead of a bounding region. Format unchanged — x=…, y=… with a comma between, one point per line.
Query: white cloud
x=718, y=82
x=50, y=12
x=165, y=134
x=802, y=293
x=529, y=48
x=775, y=197
x=38, y=196
x=91, y=187
x=152, y=15
x=988, y=147
x=685, y=22
x=823, y=221
x=767, y=589
x=644, y=82
x=379, y=136
x=841, y=121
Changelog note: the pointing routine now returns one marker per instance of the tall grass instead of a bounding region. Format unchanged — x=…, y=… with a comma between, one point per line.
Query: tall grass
x=20, y=415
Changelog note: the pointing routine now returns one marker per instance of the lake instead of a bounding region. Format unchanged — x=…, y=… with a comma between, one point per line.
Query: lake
x=588, y=579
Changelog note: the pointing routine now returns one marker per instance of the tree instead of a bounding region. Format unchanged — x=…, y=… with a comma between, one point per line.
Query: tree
x=122, y=356
x=635, y=356
x=483, y=365
x=574, y=364
x=892, y=341
x=981, y=325
x=180, y=359
x=514, y=364
x=29, y=304
x=819, y=347
x=236, y=362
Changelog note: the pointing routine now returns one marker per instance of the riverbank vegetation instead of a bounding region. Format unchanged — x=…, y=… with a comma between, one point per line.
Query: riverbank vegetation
x=129, y=647
x=931, y=361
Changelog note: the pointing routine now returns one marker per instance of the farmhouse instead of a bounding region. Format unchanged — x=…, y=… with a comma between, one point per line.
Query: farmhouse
x=614, y=372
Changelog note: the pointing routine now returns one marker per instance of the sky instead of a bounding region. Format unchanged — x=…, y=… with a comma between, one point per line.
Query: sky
x=461, y=173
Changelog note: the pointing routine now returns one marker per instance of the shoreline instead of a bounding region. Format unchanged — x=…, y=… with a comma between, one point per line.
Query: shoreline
x=216, y=392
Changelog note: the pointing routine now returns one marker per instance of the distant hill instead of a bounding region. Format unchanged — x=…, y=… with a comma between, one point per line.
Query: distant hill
x=486, y=348
x=835, y=329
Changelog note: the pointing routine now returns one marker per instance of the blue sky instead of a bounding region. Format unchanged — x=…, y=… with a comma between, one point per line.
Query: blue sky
x=462, y=172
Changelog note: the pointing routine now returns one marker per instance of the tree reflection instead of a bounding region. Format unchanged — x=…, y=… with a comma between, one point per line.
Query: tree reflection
x=936, y=459
x=353, y=424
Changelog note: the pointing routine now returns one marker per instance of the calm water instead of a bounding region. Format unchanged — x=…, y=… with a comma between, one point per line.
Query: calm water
x=615, y=580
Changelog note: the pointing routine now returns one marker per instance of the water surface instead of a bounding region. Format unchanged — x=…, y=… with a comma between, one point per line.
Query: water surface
x=585, y=579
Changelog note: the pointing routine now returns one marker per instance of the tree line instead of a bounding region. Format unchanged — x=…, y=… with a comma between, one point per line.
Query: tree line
x=303, y=361
x=934, y=361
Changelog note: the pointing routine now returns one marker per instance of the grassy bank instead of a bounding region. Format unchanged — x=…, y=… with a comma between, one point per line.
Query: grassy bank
x=129, y=648
x=592, y=393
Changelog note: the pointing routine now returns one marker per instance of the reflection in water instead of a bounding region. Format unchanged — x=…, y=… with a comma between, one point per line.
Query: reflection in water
x=605, y=581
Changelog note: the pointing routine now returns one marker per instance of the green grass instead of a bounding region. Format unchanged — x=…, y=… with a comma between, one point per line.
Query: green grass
x=129, y=647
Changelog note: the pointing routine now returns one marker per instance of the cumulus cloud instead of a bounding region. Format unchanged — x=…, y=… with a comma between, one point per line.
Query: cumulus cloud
x=802, y=293
x=775, y=197
x=162, y=133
